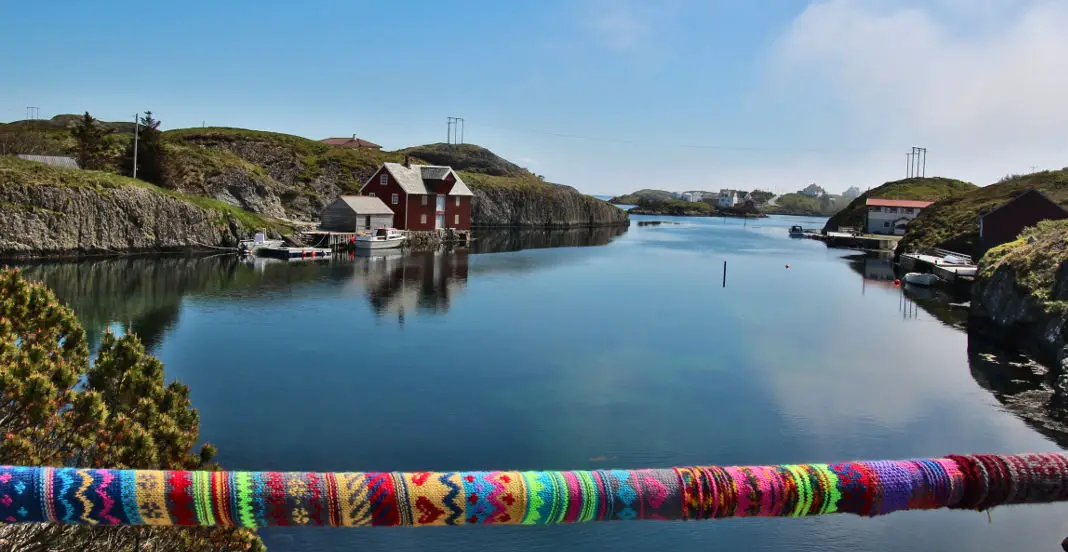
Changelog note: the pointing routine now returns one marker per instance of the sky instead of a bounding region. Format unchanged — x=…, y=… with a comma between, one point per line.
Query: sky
x=605, y=95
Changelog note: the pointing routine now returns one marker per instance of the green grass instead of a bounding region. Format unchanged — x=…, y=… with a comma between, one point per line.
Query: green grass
x=1035, y=258
x=466, y=157
x=954, y=222
x=14, y=171
x=489, y=182
x=920, y=189
x=352, y=166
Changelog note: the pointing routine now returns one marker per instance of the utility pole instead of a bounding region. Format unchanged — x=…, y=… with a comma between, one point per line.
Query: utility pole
x=137, y=128
x=908, y=165
x=923, y=168
x=32, y=112
x=461, y=130
x=455, y=127
x=1034, y=168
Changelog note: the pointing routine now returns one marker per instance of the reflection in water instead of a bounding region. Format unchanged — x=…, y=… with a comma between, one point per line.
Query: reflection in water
x=510, y=239
x=1023, y=386
x=420, y=281
x=877, y=269
x=143, y=295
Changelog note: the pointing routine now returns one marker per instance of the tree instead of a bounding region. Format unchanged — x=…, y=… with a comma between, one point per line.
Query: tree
x=57, y=409
x=91, y=147
x=149, y=151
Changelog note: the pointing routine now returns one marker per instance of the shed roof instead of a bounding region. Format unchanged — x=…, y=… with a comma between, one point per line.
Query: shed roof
x=366, y=205
x=1026, y=193
x=876, y=202
x=411, y=178
x=57, y=160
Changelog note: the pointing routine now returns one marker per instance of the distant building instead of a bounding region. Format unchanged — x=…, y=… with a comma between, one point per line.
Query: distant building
x=892, y=216
x=729, y=198
x=692, y=196
x=352, y=213
x=354, y=143
x=422, y=197
x=1005, y=223
x=812, y=190
x=54, y=160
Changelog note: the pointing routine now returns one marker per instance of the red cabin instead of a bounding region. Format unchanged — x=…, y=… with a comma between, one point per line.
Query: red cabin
x=1004, y=224
x=422, y=197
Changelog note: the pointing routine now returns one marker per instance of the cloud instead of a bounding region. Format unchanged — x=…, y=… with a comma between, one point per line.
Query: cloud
x=620, y=25
x=963, y=76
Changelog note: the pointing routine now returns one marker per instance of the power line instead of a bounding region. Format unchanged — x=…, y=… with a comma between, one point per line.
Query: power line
x=669, y=144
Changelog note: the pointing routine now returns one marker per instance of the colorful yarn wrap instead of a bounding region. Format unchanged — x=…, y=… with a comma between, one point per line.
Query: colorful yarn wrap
x=258, y=499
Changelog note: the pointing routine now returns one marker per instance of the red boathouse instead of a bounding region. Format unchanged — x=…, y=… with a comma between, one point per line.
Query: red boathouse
x=422, y=197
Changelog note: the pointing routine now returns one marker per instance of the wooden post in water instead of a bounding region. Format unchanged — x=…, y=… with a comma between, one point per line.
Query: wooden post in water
x=724, y=273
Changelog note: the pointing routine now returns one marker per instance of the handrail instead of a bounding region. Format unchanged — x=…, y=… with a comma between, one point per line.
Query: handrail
x=258, y=499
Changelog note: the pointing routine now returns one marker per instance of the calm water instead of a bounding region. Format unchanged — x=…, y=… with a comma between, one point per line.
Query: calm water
x=520, y=354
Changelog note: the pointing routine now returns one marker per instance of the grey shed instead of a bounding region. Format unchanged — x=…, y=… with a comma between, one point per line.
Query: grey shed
x=352, y=213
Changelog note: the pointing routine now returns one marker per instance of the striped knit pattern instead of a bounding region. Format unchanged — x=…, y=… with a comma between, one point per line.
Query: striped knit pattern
x=257, y=499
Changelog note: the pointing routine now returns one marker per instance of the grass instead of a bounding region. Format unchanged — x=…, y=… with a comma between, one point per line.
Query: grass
x=954, y=222
x=14, y=171
x=490, y=182
x=799, y=204
x=352, y=166
x=1035, y=258
x=633, y=197
x=921, y=189
x=466, y=157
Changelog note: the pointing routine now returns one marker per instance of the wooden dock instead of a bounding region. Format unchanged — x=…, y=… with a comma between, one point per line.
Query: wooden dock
x=848, y=240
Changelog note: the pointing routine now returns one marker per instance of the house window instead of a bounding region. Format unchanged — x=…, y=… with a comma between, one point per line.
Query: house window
x=908, y=210
x=457, y=201
x=891, y=209
x=396, y=199
x=371, y=194
x=424, y=201
x=422, y=218
x=456, y=219
x=384, y=179
x=875, y=209
x=886, y=224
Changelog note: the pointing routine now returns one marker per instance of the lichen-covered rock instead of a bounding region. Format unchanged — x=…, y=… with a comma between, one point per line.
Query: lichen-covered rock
x=41, y=220
x=542, y=206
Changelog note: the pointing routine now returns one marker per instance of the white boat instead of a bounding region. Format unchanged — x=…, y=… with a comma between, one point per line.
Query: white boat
x=796, y=231
x=920, y=278
x=383, y=238
x=259, y=242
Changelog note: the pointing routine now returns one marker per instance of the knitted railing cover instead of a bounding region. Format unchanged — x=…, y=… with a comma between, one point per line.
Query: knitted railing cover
x=257, y=499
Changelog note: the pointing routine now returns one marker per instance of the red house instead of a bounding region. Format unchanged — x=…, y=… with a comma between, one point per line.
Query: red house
x=1004, y=224
x=422, y=197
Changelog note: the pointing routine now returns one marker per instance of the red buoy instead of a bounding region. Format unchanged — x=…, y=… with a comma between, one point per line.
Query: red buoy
x=897, y=282
x=787, y=267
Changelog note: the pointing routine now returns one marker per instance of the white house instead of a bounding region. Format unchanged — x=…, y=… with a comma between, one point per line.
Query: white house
x=729, y=198
x=692, y=196
x=892, y=216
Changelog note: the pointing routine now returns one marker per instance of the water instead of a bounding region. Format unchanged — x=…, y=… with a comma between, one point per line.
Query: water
x=626, y=352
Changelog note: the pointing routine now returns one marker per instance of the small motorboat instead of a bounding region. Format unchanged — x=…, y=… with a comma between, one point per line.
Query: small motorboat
x=249, y=247
x=921, y=279
x=796, y=231
x=383, y=238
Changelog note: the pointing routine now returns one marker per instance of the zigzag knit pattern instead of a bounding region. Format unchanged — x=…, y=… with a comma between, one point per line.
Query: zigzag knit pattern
x=258, y=499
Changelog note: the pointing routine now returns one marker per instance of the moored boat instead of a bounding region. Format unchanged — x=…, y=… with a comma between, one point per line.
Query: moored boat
x=921, y=278
x=796, y=231
x=382, y=238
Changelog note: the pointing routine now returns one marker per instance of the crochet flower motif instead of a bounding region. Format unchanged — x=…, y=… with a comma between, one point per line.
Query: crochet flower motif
x=153, y=511
x=297, y=488
x=300, y=516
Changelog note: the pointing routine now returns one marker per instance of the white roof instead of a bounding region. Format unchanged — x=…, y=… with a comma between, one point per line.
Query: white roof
x=411, y=178
x=366, y=205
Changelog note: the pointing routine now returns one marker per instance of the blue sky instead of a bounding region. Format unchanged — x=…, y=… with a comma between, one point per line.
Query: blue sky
x=605, y=95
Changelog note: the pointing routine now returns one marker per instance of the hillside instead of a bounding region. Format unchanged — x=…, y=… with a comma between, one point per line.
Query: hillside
x=633, y=197
x=466, y=157
x=954, y=222
x=289, y=177
x=803, y=205
x=921, y=189
x=46, y=210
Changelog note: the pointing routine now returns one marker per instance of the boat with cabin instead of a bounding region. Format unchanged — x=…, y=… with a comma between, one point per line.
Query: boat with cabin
x=796, y=231
x=260, y=241
x=382, y=238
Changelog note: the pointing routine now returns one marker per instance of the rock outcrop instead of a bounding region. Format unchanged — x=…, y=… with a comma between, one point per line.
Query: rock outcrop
x=1020, y=298
x=53, y=211
x=544, y=206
